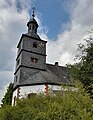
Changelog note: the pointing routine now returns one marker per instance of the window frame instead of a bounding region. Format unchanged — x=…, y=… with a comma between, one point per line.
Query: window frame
x=34, y=60
x=34, y=44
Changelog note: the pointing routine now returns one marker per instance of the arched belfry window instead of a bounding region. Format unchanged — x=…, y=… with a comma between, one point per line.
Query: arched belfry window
x=33, y=27
x=30, y=26
x=35, y=45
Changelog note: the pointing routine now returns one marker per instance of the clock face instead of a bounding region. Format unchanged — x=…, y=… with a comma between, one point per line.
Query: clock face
x=41, y=44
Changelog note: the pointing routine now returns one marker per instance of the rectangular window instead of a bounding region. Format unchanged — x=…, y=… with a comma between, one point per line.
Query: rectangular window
x=16, y=78
x=31, y=95
x=34, y=60
x=18, y=62
x=35, y=45
x=19, y=47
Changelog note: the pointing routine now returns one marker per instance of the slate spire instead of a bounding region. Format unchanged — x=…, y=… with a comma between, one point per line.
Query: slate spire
x=32, y=24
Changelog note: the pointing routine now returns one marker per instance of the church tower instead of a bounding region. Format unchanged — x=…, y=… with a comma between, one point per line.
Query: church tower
x=31, y=55
x=32, y=74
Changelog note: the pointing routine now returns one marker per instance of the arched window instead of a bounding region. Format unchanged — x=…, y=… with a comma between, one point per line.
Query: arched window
x=35, y=45
x=33, y=27
x=30, y=27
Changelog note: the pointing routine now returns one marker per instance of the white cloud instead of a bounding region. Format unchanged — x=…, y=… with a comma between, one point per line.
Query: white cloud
x=64, y=48
x=12, y=25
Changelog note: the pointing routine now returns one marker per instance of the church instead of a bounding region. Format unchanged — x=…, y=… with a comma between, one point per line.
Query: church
x=32, y=74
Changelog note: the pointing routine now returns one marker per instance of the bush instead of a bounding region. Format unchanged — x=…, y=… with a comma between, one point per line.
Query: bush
x=67, y=106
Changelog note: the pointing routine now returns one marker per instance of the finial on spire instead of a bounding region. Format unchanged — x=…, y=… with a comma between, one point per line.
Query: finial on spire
x=33, y=8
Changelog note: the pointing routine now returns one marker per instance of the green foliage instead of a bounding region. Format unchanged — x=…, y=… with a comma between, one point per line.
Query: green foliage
x=7, y=100
x=74, y=105
x=74, y=71
x=86, y=70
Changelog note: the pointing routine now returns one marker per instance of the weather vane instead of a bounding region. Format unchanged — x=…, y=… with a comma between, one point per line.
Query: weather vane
x=33, y=8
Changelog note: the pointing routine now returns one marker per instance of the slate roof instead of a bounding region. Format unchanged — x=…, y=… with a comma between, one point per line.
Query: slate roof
x=32, y=21
x=63, y=73
x=54, y=74
x=35, y=36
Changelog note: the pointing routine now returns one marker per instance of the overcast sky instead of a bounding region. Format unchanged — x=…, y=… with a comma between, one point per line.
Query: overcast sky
x=63, y=23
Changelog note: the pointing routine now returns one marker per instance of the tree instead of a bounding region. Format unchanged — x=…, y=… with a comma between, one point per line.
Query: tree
x=86, y=65
x=7, y=99
x=75, y=105
x=86, y=70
